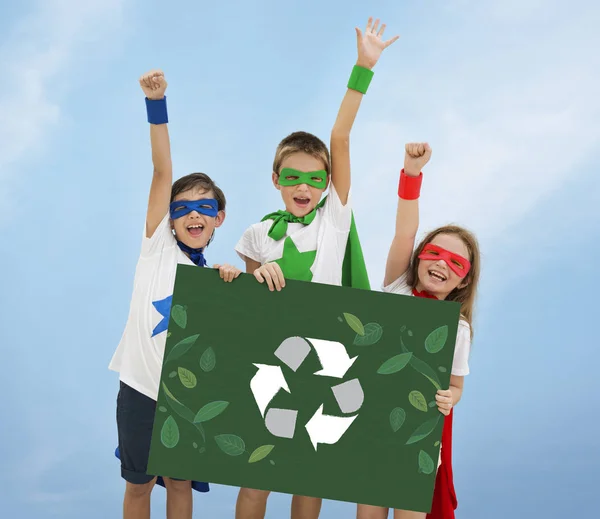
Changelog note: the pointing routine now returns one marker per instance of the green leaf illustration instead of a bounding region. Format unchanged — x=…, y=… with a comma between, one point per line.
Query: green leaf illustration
x=417, y=400
x=373, y=333
x=436, y=444
x=169, y=434
x=200, y=428
x=181, y=348
x=209, y=411
x=162, y=409
x=394, y=364
x=340, y=320
x=231, y=444
x=195, y=445
x=432, y=404
x=208, y=360
x=425, y=463
x=397, y=417
x=177, y=406
x=179, y=315
x=436, y=340
x=403, y=328
x=426, y=370
x=202, y=450
x=173, y=374
x=410, y=333
x=442, y=369
x=260, y=453
x=424, y=430
x=188, y=379
x=271, y=462
x=355, y=324
x=422, y=367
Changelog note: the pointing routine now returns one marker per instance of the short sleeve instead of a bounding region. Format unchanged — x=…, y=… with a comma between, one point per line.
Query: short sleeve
x=399, y=286
x=462, y=350
x=249, y=245
x=335, y=212
x=162, y=237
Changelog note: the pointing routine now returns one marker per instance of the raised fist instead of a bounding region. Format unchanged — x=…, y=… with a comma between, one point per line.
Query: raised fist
x=417, y=155
x=153, y=84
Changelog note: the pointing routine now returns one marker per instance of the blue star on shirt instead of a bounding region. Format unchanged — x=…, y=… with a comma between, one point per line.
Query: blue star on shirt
x=164, y=308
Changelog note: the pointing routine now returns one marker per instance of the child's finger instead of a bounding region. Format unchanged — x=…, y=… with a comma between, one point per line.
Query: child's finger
x=280, y=275
x=274, y=276
x=390, y=41
x=381, y=30
x=376, y=26
x=268, y=279
x=258, y=275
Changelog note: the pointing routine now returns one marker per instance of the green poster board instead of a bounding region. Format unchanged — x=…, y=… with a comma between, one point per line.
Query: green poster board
x=315, y=390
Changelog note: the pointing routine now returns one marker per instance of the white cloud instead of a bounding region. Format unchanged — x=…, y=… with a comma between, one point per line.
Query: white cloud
x=37, y=60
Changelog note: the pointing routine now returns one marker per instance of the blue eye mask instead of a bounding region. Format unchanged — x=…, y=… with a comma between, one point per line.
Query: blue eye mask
x=205, y=206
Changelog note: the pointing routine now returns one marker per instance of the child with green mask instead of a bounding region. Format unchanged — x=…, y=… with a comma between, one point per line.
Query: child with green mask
x=313, y=239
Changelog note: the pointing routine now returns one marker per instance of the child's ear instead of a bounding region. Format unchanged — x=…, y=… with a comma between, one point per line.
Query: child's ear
x=275, y=178
x=220, y=218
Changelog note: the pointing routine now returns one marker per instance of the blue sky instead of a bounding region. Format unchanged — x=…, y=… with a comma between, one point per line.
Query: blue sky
x=505, y=92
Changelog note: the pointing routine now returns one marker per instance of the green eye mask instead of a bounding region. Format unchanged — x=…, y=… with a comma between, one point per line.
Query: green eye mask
x=293, y=177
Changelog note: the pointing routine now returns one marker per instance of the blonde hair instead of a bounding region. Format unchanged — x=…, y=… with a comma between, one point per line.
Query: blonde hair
x=467, y=294
x=301, y=142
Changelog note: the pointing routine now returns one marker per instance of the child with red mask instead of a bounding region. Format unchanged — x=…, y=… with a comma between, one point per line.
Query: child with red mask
x=445, y=266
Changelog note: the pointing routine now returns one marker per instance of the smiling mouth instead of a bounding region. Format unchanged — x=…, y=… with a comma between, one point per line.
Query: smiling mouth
x=302, y=202
x=195, y=230
x=437, y=275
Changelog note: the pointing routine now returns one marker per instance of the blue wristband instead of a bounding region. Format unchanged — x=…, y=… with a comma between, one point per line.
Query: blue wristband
x=157, y=110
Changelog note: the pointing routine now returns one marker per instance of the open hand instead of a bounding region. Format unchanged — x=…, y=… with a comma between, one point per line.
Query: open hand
x=227, y=272
x=443, y=399
x=272, y=274
x=370, y=45
x=417, y=155
x=153, y=84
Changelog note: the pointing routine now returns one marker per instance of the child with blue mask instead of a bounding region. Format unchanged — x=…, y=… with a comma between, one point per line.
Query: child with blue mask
x=180, y=223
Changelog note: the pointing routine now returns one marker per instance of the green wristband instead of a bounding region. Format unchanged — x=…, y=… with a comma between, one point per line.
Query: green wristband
x=360, y=79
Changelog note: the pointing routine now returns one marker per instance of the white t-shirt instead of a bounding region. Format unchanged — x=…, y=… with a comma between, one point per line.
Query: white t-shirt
x=327, y=234
x=460, y=362
x=138, y=358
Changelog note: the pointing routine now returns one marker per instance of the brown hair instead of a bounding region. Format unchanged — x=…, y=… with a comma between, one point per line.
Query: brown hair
x=465, y=295
x=301, y=142
x=198, y=181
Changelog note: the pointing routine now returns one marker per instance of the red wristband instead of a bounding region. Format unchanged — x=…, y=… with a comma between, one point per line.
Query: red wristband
x=409, y=187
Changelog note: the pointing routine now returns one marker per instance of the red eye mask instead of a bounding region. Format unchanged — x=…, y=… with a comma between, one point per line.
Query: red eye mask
x=458, y=264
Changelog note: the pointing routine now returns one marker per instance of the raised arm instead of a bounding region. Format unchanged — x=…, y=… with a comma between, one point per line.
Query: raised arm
x=407, y=215
x=370, y=46
x=154, y=85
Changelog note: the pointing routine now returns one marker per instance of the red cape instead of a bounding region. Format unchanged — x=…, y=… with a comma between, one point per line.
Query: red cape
x=444, y=496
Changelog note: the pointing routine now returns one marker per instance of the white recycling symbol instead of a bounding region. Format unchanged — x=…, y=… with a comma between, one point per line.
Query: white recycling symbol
x=334, y=359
